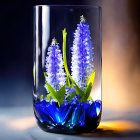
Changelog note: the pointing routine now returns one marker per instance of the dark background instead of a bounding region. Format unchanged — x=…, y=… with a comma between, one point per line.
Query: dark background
x=16, y=49
x=16, y=45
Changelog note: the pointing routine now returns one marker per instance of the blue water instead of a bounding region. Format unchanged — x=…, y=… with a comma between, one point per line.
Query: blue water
x=69, y=115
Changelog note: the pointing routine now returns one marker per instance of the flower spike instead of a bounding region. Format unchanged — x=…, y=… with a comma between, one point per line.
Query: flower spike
x=82, y=54
x=54, y=66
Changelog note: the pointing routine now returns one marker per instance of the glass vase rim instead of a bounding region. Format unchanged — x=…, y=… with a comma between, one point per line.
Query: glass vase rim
x=69, y=5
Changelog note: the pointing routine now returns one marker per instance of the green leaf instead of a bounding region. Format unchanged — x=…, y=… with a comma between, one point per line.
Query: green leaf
x=48, y=97
x=82, y=99
x=71, y=85
x=41, y=97
x=71, y=96
x=90, y=98
x=88, y=90
x=91, y=78
x=52, y=91
x=57, y=96
x=60, y=95
x=79, y=91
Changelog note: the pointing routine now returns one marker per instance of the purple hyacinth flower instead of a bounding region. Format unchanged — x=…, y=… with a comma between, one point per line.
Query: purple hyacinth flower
x=82, y=54
x=54, y=66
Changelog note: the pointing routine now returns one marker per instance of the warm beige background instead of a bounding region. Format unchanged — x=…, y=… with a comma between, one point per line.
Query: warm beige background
x=120, y=53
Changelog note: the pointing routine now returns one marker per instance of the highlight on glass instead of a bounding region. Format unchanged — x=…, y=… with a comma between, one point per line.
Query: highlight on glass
x=67, y=68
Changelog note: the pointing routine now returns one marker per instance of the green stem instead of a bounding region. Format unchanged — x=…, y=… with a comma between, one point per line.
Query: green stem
x=64, y=54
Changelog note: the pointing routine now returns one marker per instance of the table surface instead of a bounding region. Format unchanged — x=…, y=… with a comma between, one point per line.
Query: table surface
x=18, y=123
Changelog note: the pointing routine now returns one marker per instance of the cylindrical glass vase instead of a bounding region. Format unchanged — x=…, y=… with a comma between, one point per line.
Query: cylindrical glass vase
x=67, y=68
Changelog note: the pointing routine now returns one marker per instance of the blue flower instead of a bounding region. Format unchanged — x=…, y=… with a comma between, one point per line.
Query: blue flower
x=90, y=49
x=54, y=66
x=82, y=54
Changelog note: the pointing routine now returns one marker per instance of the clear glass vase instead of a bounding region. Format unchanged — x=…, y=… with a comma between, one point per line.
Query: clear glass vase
x=67, y=68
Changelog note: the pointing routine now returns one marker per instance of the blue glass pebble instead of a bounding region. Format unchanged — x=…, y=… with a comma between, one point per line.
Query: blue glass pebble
x=70, y=114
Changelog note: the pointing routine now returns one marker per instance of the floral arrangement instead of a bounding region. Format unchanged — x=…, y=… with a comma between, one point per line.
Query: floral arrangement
x=69, y=94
